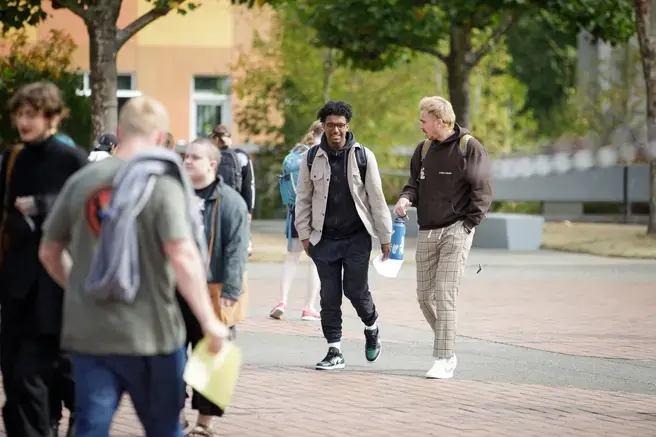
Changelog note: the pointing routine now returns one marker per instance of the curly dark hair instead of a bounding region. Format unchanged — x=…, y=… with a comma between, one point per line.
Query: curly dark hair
x=335, y=108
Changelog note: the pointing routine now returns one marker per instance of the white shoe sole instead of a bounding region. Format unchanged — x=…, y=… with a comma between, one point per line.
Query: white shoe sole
x=277, y=313
x=337, y=367
x=310, y=318
x=439, y=376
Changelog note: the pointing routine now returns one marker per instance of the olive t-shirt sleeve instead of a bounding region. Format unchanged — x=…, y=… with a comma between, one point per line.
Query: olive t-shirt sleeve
x=170, y=208
x=57, y=226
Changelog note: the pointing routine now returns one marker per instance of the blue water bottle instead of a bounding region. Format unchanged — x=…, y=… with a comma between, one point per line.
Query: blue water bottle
x=398, y=239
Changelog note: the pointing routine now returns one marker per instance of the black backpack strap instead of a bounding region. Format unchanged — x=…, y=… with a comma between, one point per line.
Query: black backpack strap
x=311, y=154
x=361, y=159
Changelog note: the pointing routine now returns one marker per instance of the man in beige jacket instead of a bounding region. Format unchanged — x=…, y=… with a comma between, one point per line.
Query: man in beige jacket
x=340, y=206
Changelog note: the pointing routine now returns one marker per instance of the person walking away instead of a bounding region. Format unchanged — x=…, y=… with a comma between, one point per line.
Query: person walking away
x=294, y=246
x=450, y=185
x=340, y=206
x=124, y=328
x=33, y=367
x=236, y=169
x=226, y=229
x=107, y=144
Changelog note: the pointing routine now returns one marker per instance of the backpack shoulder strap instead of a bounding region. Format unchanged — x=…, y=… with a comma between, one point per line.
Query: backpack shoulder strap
x=311, y=154
x=424, y=148
x=212, y=233
x=464, y=142
x=11, y=160
x=361, y=159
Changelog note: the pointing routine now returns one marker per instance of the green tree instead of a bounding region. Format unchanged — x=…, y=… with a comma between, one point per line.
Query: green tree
x=374, y=34
x=105, y=40
x=284, y=79
x=543, y=57
x=44, y=60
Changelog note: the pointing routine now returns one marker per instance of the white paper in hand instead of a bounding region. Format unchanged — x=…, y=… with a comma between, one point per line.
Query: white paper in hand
x=389, y=268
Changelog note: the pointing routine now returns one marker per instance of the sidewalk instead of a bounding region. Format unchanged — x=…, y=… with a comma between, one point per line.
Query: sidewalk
x=549, y=345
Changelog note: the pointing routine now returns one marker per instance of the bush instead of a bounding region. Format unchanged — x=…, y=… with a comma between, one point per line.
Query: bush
x=49, y=59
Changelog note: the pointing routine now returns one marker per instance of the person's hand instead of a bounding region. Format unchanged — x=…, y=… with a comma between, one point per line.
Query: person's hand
x=306, y=246
x=216, y=332
x=385, y=248
x=401, y=205
x=227, y=302
x=26, y=205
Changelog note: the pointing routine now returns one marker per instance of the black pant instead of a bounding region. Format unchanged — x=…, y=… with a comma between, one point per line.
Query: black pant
x=194, y=335
x=29, y=365
x=62, y=390
x=352, y=255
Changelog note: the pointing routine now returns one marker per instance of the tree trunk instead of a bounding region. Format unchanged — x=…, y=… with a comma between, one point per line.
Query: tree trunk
x=102, y=61
x=458, y=72
x=328, y=70
x=647, y=41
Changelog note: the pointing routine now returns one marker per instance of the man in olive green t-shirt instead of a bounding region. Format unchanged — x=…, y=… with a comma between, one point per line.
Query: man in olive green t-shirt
x=118, y=347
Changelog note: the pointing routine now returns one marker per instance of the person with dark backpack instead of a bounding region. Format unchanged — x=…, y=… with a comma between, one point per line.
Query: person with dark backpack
x=236, y=169
x=340, y=207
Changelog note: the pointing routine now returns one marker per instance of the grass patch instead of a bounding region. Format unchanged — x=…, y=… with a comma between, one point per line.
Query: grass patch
x=615, y=240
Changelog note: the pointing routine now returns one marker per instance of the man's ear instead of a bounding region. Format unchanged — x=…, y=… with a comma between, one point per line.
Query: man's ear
x=54, y=122
x=214, y=164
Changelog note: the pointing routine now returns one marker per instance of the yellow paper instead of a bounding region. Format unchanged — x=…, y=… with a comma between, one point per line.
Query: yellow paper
x=214, y=375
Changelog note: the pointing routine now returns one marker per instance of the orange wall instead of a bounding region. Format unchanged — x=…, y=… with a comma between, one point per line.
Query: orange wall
x=168, y=53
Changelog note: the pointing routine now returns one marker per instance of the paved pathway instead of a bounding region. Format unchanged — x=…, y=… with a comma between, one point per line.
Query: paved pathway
x=550, y=344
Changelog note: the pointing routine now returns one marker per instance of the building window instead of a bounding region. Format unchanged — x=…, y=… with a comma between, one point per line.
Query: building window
x=210, y=104
x=126, y=87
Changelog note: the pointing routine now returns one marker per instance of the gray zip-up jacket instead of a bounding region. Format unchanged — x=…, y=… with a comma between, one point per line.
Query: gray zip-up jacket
x=229, y=251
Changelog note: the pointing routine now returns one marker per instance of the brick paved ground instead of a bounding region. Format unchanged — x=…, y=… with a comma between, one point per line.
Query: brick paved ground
x=560, y=303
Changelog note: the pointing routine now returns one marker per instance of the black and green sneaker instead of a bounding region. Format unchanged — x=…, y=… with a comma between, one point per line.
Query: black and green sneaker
x=333, y=360
x=372, y=345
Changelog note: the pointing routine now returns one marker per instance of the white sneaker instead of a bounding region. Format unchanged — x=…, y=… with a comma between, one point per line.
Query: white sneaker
x=443, y=368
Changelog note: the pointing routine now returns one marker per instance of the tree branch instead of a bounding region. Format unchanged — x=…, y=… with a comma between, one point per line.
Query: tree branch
x=431, y=51
x=123, y=35
x=506, y=23
x=72, y=6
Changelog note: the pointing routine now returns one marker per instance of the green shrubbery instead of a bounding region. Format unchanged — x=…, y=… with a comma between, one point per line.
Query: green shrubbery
x=49, y=59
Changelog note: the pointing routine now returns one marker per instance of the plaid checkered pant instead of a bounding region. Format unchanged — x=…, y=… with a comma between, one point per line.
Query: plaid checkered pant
x=441, y=258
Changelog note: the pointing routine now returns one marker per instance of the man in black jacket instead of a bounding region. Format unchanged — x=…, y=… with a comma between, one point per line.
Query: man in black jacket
x=244, y=183
x=449, y=184
x=31, y=176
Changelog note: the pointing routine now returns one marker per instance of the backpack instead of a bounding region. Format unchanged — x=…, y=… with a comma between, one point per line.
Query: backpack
x=464, y=144
x=289, y=177
x=360, y=158
x=230, y=169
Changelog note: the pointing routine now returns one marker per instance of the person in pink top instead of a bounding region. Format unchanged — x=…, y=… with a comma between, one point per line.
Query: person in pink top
x=294, y=251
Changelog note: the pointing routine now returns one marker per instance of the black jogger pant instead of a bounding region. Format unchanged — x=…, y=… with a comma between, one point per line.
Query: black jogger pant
x=351, y=255
x=194, y=335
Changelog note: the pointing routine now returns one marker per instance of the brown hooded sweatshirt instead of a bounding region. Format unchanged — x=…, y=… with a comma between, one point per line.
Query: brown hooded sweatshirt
x=451, y=184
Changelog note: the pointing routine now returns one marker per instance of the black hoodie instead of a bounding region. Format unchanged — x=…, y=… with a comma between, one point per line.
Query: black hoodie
x=450, y=185
x=342, y=219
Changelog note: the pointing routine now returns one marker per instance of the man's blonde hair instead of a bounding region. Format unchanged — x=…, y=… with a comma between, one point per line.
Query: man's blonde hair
x=143, y=116
x=440, y=108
